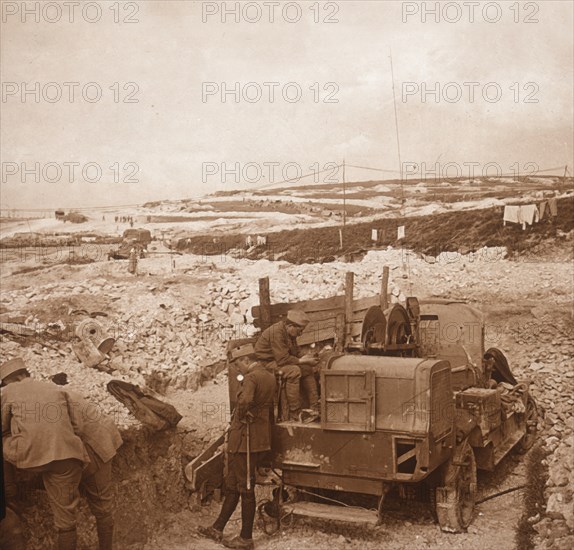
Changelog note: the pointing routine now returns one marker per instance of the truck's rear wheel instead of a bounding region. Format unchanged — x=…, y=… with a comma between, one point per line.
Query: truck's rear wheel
x=531, y=419
x=455, y=499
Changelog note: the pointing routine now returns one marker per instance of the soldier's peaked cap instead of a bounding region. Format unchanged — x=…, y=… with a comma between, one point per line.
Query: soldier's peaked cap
x=10, y=367
x=298, y=317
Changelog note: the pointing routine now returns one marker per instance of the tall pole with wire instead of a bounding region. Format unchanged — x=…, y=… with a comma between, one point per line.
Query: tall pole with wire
x=397, y=123
x=344, y=197
x=341, y=230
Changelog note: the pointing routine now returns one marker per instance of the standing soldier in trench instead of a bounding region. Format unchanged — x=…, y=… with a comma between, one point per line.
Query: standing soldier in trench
x=248, y=441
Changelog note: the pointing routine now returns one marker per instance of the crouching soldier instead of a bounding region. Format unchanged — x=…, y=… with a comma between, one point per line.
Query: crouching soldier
x=38, y=436
x=277, y=347
x=248, y=441
x=59, y=434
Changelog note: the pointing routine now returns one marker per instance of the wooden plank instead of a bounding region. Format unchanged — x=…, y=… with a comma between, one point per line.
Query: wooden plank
x=323, y=308
x=316, y=336
x=319, y=325
x=319, y=316
x=265, y=302
x=366, y=303
x=17, y=328
x=324, y=315
x=358, y=316
x=322, y=323
x=335, y=513
x=208, y=455
x=406, y=456
x=321, y=304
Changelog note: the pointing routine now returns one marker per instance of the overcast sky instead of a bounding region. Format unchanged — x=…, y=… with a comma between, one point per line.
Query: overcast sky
x=171, y=142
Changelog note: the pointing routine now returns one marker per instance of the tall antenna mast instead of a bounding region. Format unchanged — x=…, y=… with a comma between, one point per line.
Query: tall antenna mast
x=344, y=197
x=397, y=122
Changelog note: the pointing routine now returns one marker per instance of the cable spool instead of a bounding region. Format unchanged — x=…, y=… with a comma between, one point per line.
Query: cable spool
x=399, y=332
x=374, y=327
x=89, y=329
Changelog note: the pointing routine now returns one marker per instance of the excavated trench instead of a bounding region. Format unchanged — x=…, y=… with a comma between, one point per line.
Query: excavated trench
x=149, y=484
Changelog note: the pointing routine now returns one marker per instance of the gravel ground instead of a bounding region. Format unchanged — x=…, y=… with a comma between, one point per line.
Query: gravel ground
x=172, y=323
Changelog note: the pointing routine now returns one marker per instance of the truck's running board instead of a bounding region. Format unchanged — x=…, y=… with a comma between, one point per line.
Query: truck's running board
x=335, y=513
x=503, y=449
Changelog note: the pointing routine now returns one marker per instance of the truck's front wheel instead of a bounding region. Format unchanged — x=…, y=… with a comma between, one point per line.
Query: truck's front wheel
x=455, y=498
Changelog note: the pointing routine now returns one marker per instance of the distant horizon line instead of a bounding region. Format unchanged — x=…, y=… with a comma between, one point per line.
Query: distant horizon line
x=269, y=190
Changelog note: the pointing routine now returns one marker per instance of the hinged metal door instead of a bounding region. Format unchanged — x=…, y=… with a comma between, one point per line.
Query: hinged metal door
x=348, y=400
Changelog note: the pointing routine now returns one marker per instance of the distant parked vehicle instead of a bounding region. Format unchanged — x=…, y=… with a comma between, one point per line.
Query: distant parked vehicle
x=138, y=238
x=142, y=236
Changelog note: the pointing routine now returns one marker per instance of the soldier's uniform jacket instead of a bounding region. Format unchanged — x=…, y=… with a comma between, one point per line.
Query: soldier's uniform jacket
x=95, y=428
x=275, y=344
x=256, y=398
x=37, y=424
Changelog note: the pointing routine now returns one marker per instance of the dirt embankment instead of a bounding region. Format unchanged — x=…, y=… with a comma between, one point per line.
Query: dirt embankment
x=460, y=231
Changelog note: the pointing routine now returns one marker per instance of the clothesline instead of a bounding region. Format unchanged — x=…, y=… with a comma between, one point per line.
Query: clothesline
x=529, y=213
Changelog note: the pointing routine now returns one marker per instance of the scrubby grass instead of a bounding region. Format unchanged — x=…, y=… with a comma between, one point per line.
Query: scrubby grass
x=536, y=476
x=460, y=231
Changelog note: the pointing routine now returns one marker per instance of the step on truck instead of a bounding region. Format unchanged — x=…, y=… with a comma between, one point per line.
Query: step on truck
x=410, y=400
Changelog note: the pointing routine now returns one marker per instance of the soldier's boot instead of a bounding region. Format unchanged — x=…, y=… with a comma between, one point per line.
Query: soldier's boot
x=310, y=388
x=295, y=415
x=227, y=508
x=105, y=528
x=238, y=543
x=293, y=398
x=11, y=532
x=247, y=515
x=68, y=540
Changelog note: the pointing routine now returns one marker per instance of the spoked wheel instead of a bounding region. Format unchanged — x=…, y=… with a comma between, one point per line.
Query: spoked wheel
x=273, y=514
x=455, y=499
x=531, y=419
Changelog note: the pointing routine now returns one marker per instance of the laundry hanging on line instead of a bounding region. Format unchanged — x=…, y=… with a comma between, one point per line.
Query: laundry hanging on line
x=553, y=205
x=529, y=214
x=523, y=214
x=511, y=214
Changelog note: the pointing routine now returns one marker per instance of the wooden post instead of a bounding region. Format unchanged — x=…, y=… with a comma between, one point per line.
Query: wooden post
x=340, y=332
x=264, y=303
x=385, y=289
x=340, y=238
x=349, y=282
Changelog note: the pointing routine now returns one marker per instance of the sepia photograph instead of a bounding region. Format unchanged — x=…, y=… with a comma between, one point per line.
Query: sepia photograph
x=287, y=275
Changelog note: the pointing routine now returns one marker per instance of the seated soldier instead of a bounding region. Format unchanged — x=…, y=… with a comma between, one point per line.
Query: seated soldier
x=277, y=348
